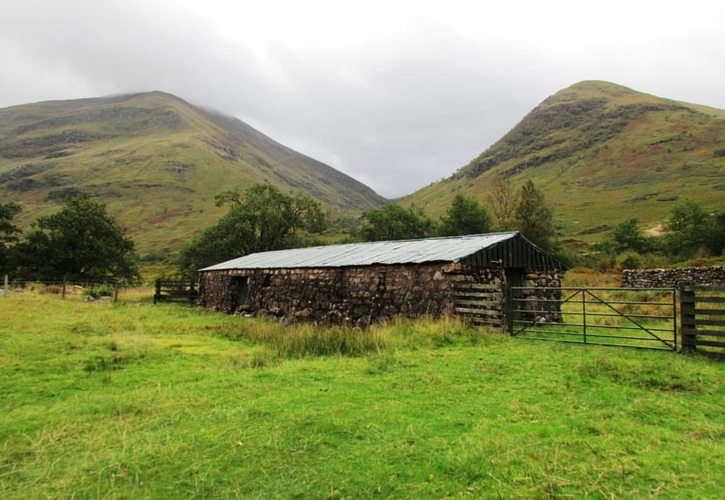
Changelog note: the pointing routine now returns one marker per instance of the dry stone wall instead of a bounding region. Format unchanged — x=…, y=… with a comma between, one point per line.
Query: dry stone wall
x=352, y=295
x=361, y=295
x=669, y=278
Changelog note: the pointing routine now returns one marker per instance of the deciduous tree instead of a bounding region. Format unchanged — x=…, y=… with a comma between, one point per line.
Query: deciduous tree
x=8, y=232
x=690, y=228
x=534, y=218
x=628, y=236
x=80, y=242
x=260, y=218
x=504, y=201
x=393, y=222
x=465, y=216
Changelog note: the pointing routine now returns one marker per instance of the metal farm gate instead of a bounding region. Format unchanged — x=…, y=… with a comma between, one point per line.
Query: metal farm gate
x=641, y=318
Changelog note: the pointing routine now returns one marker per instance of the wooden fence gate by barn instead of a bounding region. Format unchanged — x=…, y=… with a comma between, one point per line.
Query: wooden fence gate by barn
x=703, y=318
x=175, y=291
x=481, y=304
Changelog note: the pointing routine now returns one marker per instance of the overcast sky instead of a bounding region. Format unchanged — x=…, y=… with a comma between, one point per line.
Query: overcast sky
x=396, y=94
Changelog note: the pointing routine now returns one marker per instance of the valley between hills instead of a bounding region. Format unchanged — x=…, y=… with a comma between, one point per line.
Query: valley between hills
x=600, y=152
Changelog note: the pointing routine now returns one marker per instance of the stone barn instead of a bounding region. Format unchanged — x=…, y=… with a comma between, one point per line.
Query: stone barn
x=359, y=283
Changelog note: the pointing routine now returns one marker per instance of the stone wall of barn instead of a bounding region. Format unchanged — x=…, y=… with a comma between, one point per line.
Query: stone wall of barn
x=351, y=295
x=670, y=278
x=541, y=298
x=361, y=295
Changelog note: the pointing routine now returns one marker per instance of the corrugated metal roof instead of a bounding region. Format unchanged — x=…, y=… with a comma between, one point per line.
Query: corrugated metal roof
x=449, y=249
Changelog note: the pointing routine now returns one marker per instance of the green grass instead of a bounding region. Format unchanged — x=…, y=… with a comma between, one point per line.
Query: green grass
x=135, y=400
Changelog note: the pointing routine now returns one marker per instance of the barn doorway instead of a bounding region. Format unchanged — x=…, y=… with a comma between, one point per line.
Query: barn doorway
x=240, y=291
x=514, y=276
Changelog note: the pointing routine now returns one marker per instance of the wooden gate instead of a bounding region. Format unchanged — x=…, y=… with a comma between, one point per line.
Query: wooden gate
x=175, y=291
x=703, y=318
x=481, y=304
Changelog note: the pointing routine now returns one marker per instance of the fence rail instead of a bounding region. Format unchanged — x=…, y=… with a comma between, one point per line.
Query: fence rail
x=479, y=303
x=89, y=289
x=175, y=291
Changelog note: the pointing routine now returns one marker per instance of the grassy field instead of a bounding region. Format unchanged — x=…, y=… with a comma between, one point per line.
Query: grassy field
x=134, y=400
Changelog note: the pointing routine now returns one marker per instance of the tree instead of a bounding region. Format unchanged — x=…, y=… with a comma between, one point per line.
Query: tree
x=8, y=233
x=716, y=242
x=259, y=219
x=393, y=222
x=690, y=228
x=533, y=217
x=80, y=242
x=628, y=236
x=465, y=216
x=504, y=201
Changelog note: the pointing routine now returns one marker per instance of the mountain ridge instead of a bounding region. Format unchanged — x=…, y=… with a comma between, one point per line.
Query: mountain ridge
x=600, y=151
x=156, y=160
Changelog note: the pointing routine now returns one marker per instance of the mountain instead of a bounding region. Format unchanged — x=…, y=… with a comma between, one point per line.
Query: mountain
x=155, y=160
x=601, y=153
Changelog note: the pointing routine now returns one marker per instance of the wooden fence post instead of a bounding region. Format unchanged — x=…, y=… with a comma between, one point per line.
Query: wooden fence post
x=62, y=291
x=115, y=291
x=7, y=285
x=688, y=328
x=157, y=293
x=508, y=312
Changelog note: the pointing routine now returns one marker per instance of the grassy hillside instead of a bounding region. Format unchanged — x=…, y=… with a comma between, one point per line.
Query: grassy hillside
x=602, y=153
x=156, y=160
x=139, y=401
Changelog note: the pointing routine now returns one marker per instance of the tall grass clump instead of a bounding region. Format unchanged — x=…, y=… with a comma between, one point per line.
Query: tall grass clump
x=423, y=333
x=311, y=340
x=299, y=341
x=303, y=340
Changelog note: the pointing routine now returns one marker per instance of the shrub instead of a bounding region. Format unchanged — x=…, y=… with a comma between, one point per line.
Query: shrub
x=97, y=292
x=631, y=261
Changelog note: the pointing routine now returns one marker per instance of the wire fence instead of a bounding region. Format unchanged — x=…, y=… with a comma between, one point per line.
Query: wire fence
x=104, y=290
x=85, y=290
